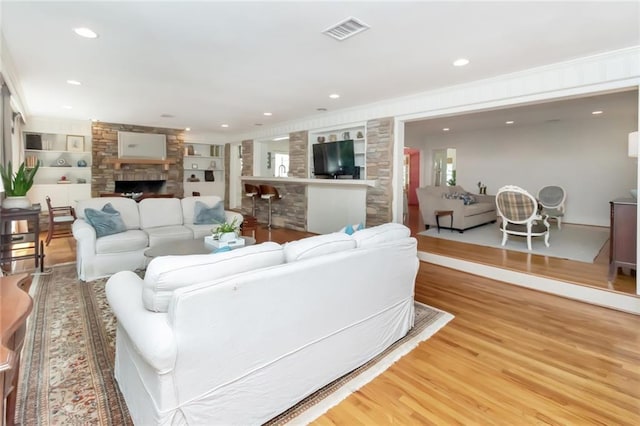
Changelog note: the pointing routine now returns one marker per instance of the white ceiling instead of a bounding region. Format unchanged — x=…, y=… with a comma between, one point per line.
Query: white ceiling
x=213, y=63
x=613, y=105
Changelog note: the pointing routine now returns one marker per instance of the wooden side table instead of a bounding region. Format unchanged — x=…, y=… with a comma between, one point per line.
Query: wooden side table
x=28, y=241
x=439, y=214
x=15, y=307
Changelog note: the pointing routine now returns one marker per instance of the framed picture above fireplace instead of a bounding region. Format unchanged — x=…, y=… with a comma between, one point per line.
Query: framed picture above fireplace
x=142, y=145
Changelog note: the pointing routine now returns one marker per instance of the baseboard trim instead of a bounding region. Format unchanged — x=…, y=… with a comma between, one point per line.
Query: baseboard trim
x=591, y=295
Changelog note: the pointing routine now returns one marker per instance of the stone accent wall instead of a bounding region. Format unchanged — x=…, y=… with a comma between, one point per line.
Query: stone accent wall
x=380, y=167
x=289, y=212
x=105, y=146
x=299, y=154
x=247, y=158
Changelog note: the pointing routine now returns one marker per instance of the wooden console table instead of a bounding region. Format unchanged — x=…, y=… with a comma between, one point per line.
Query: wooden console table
x=15, y=307
x=622, y=238
x=28, y=241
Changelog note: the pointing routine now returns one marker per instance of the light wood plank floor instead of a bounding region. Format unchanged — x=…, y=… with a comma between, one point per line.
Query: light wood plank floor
x=511, y=356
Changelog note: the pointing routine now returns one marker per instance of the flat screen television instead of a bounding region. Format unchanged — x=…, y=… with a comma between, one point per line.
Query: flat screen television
x=333, y=159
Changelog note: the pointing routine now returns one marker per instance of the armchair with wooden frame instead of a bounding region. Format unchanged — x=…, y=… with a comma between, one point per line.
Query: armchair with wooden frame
x=60, y=220
x=520, y=215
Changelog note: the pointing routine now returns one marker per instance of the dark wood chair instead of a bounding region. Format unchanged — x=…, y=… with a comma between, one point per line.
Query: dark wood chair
x=60, y=220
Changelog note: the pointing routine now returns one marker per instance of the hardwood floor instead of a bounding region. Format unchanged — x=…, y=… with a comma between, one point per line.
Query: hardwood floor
x=510, y=356
x=586, y=274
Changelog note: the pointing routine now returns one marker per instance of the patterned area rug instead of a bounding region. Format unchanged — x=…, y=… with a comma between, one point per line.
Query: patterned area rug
x=67, y=365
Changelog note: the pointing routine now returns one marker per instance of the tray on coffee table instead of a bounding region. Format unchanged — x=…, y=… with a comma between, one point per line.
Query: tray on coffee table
x=186, y=247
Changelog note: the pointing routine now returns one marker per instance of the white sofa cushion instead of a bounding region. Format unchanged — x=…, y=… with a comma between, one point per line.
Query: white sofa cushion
x=163, y=234
x=128, y=241
x=167, y=273
x=317, y=246
x=127, y=208
x=189, y=206
x=155, y=212
x=380, y=234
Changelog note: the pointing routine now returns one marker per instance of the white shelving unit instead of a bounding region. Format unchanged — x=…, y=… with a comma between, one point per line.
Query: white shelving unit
x=59, y=155
x=199, y=161
x=357, y=133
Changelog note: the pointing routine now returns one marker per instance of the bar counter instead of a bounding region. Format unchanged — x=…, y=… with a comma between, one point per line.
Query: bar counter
x=314, y=205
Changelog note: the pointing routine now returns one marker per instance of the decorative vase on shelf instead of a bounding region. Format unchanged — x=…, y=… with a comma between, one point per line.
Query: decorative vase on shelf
x=82, y=163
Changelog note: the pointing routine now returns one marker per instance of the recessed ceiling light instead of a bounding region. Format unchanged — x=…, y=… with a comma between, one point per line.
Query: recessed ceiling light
x=446, y=129
x=188, y=129
x=85, y=32
x=268, y=114
x=67, y=106
x=461, y=62
x=334, y=96
x=597, y=112
x=509, y=122
x=224, y=125
x=74, y=82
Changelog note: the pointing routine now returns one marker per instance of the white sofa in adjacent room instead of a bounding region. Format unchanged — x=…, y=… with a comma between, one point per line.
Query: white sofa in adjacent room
x=150, y=222
x=239, y=337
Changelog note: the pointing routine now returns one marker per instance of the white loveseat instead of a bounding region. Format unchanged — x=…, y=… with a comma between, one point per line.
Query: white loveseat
x=150, y=222
x=239, y=337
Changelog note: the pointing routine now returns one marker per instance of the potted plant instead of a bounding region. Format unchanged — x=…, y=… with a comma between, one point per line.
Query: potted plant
x=226, y=231
x=17, y=185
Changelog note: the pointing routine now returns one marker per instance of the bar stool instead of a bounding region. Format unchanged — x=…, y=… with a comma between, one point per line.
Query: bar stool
x=252, y=191
x=269, y=193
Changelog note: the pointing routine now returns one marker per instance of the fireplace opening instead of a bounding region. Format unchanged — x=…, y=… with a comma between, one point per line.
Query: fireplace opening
x=145, y=186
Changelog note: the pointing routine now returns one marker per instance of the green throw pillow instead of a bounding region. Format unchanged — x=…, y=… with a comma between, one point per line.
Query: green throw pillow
x=107, y=221
x=205, y=215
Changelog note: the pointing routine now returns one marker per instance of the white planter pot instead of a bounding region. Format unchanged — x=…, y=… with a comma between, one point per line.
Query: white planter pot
x=16, y=203
x=228, y=236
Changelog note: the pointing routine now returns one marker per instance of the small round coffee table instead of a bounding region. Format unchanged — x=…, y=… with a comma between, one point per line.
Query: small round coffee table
x=187, y=247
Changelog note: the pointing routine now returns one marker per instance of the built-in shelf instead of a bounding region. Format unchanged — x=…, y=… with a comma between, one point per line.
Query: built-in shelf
x=118, y=162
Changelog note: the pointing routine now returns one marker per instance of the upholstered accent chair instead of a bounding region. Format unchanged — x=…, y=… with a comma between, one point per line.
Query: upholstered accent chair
x=552, y=198
x=520, y=215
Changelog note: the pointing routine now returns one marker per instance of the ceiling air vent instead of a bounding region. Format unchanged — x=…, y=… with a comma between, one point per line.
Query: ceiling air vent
x=346, y=28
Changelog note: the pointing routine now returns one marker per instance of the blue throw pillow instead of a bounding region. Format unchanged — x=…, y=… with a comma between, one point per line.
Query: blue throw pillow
x=350, y=229
x=205, y=215
x=107, y=221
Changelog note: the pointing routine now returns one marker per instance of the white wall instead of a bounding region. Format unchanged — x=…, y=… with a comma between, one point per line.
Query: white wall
x=587, y=157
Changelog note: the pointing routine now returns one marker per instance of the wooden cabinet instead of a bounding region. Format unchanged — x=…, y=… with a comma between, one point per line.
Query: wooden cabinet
x=622, y=240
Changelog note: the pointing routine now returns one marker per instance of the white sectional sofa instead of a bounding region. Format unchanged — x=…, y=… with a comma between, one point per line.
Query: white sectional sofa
x=150, y=222
x=238, y=337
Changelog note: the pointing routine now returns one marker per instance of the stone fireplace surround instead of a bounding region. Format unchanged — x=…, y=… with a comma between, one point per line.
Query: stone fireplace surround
x=105, y=147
